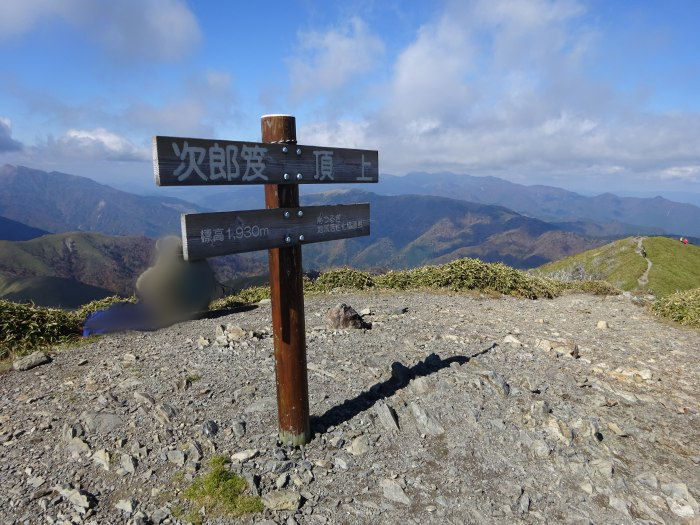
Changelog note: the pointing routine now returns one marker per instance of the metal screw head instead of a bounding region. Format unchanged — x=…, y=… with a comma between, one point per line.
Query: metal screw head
x=298, y=176
x=298, y=151
x=301, y=237
x=287, y=239
x=286, y=215
x=285, y=149
x=300, y=213
x=286, y=176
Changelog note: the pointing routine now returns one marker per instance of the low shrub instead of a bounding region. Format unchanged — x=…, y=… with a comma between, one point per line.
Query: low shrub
x=681, y=307
x=25, y=327
x=461, y=275
x=340, y=278
x=102, y=304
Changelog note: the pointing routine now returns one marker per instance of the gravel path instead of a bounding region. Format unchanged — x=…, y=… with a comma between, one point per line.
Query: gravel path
x=644, y=278
x=450, y=409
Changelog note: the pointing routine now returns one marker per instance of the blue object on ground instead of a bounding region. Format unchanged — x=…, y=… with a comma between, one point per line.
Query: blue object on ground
x=117, y=318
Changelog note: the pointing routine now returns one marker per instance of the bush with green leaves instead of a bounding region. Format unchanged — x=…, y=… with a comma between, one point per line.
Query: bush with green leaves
x=341, y=278
x=102, y=304
x=25, y=327
x=681, y=307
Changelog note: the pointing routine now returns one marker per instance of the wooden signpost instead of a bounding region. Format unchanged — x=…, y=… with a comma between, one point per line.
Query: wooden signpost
x=280, y=164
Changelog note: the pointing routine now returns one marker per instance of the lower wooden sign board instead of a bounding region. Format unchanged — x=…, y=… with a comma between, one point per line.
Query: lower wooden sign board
x=222, y=233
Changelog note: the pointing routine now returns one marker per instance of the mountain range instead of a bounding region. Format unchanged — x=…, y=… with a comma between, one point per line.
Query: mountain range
x=58, y=202
x=103, y=237
x=605, y=216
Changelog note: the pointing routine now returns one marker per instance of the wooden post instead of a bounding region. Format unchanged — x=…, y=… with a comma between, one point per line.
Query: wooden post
x=287, y=302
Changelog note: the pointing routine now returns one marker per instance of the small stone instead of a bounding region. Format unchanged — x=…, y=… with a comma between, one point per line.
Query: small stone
x=30, y=361
x=78, y=446
x=128, y=463
x=282, y=500
x=498, y=382
x=359, y=446
x=604, y=467
x=648, y=479
x=202, y=343
x=426, y=422
x=366, y=311
x=682, y=509
x=194, y=452
x=512, y=340
x=400, y=310
x=341, y=463
x=164, y=413
x=36, y=482
x=618, y=504
x=420, y=385
x=176, y=457
x=101, y=457
x=540, y=448
x=244, y=455
x=617, y=430
x=238, y=428
x=101, y=422
x=524, y=503
x=342, y=316
x=602, y=325
x=393, y=492
x=126, y=505
x=209, y=429
x=144, y=399
x=76, y=497
x=129, y=358
x=282, y=480
x=566, y=348
x=160, y=515
x=387, y=416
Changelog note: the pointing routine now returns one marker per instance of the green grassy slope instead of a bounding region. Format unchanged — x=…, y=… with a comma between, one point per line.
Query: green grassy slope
x=674, y=266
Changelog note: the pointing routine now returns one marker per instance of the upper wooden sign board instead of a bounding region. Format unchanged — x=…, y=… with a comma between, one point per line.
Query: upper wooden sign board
x=203, y=162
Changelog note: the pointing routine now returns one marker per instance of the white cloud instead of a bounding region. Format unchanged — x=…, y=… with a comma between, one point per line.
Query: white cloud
x=207, y=102
x=92, y=144
x=327, y=61
x=128, y=29
x=503, y=88
x=7, y=143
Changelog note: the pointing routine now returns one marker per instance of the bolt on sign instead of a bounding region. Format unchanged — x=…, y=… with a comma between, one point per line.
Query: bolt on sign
x=282, y=227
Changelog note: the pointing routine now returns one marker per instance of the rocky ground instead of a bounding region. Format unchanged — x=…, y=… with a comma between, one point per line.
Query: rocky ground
x=450, y=409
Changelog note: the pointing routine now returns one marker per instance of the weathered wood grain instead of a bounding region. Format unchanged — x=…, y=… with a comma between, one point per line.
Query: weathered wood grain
x=202, y=162
x=222, y=233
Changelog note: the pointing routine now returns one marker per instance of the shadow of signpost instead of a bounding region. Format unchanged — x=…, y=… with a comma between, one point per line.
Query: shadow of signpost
x=401, y=375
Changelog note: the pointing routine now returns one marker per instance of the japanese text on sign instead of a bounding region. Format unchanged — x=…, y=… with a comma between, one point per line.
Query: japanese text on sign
x=223, y=163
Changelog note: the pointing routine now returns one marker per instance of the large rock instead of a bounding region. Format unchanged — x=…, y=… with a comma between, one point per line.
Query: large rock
x=30, y=361
x=282, y=500
x=342, y=316
x=101, y=422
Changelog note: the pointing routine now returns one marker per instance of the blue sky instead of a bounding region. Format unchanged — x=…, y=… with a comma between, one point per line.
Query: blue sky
x=591, y=96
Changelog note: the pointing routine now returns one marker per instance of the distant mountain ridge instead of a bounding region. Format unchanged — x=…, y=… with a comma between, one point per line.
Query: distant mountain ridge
x=605, y=216
x=412, y=230
x=58, y=202
x=550, y=203
x=16, y=231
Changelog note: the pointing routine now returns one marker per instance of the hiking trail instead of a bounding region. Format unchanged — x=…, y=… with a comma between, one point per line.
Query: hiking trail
x=644, y=278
